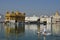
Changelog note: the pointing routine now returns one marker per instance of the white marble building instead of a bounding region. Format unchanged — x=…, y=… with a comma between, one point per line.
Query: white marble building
x=56, y=18
x=31, y=19
x=45, y=19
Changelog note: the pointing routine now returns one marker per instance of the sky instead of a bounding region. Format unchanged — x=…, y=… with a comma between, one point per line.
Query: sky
x=30, y=7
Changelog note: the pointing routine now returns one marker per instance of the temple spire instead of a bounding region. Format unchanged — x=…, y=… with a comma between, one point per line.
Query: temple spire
x=57, y=13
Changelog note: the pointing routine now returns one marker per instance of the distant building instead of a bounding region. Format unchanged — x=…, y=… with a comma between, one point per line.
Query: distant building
x=45, y=19
x=56, y=18
x=15, y=17
x=32, y=19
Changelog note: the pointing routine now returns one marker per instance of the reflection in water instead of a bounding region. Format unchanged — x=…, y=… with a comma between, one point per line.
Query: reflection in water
x=14, y=32
x=56, y=29
x=49, y=28
x=38, y=29
x=40, y=37
x=29, y=32
x=44, y=38
x=1, y=27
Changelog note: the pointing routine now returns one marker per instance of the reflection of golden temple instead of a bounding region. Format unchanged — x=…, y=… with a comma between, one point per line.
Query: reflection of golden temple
x=17, y=30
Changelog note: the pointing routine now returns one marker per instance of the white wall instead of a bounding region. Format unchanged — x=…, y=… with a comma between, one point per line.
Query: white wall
x=31, y=18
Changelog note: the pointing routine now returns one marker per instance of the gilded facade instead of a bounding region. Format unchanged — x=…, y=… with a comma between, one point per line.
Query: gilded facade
x=17, y=16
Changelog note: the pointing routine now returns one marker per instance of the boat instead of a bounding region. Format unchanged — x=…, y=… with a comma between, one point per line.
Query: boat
x=45, y=33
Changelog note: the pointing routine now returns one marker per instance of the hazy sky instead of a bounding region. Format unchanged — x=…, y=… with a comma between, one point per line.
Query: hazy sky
x=30, y=7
